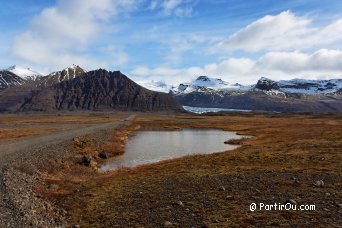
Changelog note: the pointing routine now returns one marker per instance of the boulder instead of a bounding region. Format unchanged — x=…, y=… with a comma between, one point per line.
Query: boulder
x=86, y=160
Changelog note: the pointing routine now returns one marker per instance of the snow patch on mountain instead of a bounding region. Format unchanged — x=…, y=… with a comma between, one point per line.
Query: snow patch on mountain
x=63, y=75
x=207, y=84
x=24, y=73
x=8, y=79
x=299, y=86
x=303, y=86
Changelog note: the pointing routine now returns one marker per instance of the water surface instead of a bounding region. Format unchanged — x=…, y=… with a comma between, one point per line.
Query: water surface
x=201, y=110
x=153, y=146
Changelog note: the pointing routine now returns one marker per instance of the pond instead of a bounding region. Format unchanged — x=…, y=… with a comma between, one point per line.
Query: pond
x=153, y=146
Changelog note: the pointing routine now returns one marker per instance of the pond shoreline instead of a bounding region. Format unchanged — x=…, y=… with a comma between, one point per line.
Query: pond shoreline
x=155, y=146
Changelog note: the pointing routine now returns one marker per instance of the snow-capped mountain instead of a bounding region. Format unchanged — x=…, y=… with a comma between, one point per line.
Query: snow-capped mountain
x=311, y=86
x=16, y=75
x=299, y=86
x=295, y=86
x=63, y=75
x=295, y=95
x=205, y=84
x=24, y=73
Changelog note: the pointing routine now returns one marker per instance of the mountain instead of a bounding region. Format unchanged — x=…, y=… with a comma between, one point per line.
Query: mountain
x=75, y=89
x=205, y=83
x=8, y=79
x=63, y=75
x=97, y=90
x=300, y=86
x=17, y=75
x=295, y=95
x=24, y=73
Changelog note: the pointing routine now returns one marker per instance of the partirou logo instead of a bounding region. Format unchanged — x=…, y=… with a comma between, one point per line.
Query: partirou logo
x=281, y=207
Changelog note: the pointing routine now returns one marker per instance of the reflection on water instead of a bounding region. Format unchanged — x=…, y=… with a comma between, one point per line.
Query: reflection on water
x=153, y=146
x=201, y=110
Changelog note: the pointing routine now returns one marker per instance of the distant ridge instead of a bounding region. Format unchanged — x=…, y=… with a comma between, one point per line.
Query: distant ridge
x=297, y=95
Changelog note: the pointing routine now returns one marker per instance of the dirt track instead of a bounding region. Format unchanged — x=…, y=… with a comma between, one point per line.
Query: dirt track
x=18, y=203
x=13, y=148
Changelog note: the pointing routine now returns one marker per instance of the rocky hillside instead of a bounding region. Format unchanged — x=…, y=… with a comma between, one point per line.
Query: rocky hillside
x=63, y=75
x=97, y=90
x=8, y=79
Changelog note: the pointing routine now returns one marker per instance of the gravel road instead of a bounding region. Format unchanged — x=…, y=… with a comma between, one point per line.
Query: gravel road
x=19, y=206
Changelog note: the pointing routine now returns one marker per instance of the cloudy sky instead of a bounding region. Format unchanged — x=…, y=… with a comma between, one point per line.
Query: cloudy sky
x=176, y=40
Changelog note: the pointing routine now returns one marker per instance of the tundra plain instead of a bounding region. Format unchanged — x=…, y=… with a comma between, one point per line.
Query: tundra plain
x=44, y=181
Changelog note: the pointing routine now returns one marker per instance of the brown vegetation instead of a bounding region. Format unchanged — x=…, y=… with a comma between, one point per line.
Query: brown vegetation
x=23, y=125
x=55, y=119
x=11, y=133
x=283, y=160
x=116, y=144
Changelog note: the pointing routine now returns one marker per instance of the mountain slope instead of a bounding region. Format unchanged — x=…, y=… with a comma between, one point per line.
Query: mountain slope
x=63, y=75
x=24, y=73
x=98, y=90
x=8, y=79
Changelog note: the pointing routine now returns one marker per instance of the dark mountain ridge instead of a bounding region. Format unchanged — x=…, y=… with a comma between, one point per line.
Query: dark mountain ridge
x=97, y=90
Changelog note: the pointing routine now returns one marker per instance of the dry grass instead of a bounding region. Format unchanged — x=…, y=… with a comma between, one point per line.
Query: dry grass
x=57, y=118
x=68, y=173
x=23, y=125
x=116, y=145
x=284, y=158
x=11, y=133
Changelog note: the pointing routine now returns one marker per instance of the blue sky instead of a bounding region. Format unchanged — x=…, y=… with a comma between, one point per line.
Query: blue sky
x=176, y=40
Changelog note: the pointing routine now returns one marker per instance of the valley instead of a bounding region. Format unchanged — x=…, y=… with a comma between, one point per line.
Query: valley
x=170, y=113
x=284, y=159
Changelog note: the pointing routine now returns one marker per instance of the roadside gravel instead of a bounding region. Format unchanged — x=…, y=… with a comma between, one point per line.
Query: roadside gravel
x=19, y=205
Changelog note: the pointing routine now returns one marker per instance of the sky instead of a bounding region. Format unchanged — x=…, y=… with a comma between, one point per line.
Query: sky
x=175, y=41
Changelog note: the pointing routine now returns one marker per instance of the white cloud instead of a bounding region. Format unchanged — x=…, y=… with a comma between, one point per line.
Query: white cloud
x=170, y=5
x=178, y=45
x=116, y=55
x=153, y=5
x=322, y=64
x=284, y=31
x=59, y=36
x=179, y=8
